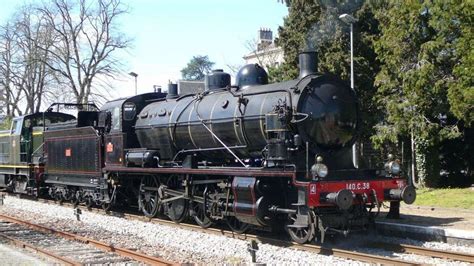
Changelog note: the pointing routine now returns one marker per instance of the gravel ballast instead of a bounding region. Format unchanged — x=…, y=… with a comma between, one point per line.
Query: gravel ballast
x=176, y=244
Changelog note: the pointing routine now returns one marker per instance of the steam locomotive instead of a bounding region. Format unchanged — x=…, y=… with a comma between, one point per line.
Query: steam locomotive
x=252, y=154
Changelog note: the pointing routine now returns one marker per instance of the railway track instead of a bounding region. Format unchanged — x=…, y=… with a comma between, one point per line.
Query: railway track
x=436, y=253
x=342, y=253
x=323, y=250
x=68, y=248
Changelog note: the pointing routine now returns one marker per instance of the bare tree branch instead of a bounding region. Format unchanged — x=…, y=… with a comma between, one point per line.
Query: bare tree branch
x=86, y=42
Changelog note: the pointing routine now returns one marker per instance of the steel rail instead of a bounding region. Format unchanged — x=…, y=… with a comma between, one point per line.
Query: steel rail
x=436, y=253
x=101, y=245
x=43, y=252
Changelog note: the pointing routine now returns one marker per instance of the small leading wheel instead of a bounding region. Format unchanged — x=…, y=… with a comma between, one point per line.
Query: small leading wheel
x=199, y=216
x=298, y=233
x=236, y=225
x=148, y=198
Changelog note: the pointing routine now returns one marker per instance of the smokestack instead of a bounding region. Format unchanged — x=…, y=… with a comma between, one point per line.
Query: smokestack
x=308, y=63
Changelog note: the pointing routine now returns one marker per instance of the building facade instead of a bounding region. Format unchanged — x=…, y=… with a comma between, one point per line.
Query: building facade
x=264, y=51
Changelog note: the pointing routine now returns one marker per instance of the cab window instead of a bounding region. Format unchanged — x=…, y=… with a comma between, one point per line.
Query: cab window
x=116, y=118
x=16, y=127
x=129, y=111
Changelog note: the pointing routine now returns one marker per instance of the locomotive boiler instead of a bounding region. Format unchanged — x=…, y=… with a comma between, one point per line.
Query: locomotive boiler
x=255, y=123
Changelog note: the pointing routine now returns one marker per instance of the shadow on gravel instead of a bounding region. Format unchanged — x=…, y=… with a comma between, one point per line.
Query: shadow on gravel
x=421, y=220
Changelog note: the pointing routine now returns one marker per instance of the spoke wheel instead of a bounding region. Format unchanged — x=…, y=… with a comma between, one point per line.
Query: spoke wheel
x=300, y=235
x=148, y=198
x=176, y=210
x=198, y=210
x=236, y=225
x=199, y=216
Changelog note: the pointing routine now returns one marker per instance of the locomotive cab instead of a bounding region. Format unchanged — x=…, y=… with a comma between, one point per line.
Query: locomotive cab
x=121, y=139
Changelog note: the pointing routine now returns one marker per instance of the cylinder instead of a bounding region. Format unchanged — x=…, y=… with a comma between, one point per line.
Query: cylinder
x=308, y=62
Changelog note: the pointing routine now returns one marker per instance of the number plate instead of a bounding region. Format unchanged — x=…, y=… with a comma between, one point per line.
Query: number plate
x=358, y=186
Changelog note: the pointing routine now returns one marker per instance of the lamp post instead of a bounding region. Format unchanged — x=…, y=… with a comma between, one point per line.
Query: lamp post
x=348, y=19
x=135, y=75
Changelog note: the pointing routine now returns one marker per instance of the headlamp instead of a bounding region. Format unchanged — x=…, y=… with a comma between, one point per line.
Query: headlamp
x=319, y=169
x=394, y=168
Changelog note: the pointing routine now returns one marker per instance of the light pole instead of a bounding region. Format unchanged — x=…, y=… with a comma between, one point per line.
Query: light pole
x=135, y=75
x=348, y=19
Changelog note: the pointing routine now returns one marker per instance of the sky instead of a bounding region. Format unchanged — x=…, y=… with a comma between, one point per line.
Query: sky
x=168, y=33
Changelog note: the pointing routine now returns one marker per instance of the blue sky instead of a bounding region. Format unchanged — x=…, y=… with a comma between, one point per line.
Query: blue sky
x=167, y=33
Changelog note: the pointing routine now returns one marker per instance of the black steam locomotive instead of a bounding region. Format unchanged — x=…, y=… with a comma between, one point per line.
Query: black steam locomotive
x=266, y=155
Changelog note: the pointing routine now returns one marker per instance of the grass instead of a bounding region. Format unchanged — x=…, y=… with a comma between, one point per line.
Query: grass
x=446, y=198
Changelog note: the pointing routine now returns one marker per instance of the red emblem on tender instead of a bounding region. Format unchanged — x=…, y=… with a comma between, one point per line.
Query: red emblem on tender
x=68, y=152
x=110, y=147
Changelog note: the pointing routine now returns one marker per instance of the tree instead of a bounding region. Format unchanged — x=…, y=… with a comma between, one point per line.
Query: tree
x=315, y=25
x=197, y=68
x=425, y=83
x=22, y=68
x=85, y=39
x=10, y=95
x=30, y=73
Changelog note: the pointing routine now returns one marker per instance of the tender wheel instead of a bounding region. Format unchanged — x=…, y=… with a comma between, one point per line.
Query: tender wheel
x=148, y=197
x=236, y=225
x=89, y=202
x=106, y=206
x=300, y=234
x=78, y=198
x=72, y=198
x=58, y=197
